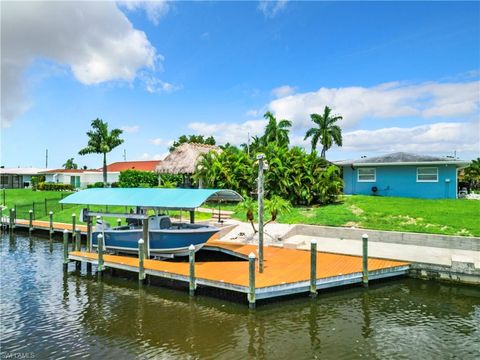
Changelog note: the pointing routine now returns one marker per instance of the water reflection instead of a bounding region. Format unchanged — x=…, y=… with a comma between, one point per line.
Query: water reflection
x=70, y=313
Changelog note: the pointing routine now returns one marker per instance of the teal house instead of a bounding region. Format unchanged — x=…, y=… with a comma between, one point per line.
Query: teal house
x=402, y=174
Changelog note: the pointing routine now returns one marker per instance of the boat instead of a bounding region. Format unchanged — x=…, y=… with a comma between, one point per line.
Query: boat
x=149, y=221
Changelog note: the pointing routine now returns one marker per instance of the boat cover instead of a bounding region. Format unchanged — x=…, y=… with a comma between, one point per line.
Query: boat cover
x=180, y=199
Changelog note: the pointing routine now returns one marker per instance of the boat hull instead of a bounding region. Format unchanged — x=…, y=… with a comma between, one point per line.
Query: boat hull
x=161, y=242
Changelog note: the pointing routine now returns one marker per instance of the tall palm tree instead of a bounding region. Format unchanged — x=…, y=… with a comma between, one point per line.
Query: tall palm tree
x=276, y=131
x=102, y=141
x=69, y=164
x=327, y=131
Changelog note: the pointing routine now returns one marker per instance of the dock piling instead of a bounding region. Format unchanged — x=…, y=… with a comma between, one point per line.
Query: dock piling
x=78, y=240
x=260, y=190
x=11, y=224
x=145, y=238
x=100, y=266
x=251, y=280
x=89, y=234
x=119, y=222
x=365, y=259
x=313, y=268
x=74, y=221
x=65, y=248
x=30, y=222
x=141, y=258
x=191, y=258
x=50, y=215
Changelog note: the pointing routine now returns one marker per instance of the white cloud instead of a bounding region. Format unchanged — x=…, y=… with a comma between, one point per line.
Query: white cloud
x=270, y=8
x=155, y=9
x=161, y=142
x=236, y=133
x=130, y=128
x=442, y=138
x=283, y=91
x=95, y=40
x=154, y=84
x=389, y=100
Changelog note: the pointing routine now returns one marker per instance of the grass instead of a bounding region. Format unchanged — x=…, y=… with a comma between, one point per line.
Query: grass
x=449, y=216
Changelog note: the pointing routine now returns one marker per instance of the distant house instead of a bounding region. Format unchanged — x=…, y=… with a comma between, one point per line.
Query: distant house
x=79, y=178
x=18, y=178
x=183, y=160
x=402, y=174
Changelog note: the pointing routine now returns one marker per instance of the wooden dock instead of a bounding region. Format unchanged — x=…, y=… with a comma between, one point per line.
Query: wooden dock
x=45, y=225
x=286, y=271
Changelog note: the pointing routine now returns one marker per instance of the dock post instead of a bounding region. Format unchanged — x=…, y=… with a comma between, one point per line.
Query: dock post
x=50, y=215
x=365, y=259
x=100, y=266
x=191, y=259
x=89, y=234
x=11, y=225
x=30, y=222
x=119, y=222
x=65, y=248
x=251, y=280
x=78, y=241
x=145, y=238
x=141, y=258
x=74, y=221
x=260, y=189
x=313, y=268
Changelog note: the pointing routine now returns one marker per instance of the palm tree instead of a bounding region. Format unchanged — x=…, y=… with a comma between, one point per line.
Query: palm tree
x=102, y=141
x=276, y=205
x=276, y=132
x=248, y=205
x=69, y=164
x=327, y=131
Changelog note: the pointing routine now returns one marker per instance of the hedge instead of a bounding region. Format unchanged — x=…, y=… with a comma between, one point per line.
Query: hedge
x=51, y=186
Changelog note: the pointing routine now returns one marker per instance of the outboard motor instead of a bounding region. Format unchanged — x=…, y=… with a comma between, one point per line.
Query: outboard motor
x=101, y=226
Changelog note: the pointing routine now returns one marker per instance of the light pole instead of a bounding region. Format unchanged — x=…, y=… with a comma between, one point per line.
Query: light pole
x=260, y=158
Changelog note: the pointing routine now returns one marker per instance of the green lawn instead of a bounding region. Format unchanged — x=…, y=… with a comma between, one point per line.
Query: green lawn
x=452, y=217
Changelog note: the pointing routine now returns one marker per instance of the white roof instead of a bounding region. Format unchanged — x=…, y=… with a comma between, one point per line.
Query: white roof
x=22, y=171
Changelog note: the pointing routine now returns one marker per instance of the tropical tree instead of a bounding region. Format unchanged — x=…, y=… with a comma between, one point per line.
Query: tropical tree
x=276, y=131
x=472, y=174
x=248, y=205
x=277, y=205
x=69, y=164
x=198, y=139
x=102, y=141
x=326, y=131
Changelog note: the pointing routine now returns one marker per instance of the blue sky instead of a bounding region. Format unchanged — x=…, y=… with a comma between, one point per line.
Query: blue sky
x=404, y=75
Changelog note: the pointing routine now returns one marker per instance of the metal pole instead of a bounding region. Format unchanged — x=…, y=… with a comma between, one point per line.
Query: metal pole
x=191, y=258
x=146, y=238
x=50, y=214
x=313, y=268
x=251, y=280
x=365, y=259
x=65, y=248
x=260, y=158
x=141, y=258
x=74, y=221
x=30, y=222
x=100, y=266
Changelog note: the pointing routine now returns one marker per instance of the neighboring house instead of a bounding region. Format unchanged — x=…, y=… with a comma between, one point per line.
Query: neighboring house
x=18, y=178
x=183, y=160
x=403, y=174
x=79, y=178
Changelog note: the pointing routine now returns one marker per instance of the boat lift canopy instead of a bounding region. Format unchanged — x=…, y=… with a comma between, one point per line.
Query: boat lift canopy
x=172, y=199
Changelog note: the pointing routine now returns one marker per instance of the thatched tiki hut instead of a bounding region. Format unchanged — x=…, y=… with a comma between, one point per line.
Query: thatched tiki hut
x=183, y=160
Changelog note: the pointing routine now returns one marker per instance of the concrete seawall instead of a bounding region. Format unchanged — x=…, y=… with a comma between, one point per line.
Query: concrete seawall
x=395, y=237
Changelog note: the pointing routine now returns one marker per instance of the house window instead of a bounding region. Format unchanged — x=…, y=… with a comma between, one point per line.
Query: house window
x=367, y=175
x=427, y=174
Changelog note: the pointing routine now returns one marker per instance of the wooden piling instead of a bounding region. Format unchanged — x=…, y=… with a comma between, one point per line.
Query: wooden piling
x=100, y=266
x=365, y=259
x=145, y=238
x=313, y=268
x=50, y=216
x=141, y=258
x=30, y=222
x=11, y=225
x=78, y=240
x=74, y=222
x=191, y=258
x=260, y=158
x=251, y=280
x=65, y=248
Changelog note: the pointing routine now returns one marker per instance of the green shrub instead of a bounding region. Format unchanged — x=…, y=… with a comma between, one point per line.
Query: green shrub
x=98, y=184
x=51, y=186
x=135, y=178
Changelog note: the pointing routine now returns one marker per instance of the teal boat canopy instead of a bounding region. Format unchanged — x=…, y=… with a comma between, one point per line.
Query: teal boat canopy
x=176, y=199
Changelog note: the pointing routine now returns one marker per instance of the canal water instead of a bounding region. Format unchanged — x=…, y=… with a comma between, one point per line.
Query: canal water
x=47, y=314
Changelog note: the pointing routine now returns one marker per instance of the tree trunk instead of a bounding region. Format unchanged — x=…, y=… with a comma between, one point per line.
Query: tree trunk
x=322, y=155
x=105, y=169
